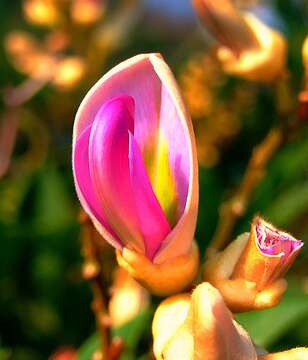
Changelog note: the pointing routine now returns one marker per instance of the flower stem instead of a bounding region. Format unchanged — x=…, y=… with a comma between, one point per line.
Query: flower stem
x=92, y=271
x=234, y=208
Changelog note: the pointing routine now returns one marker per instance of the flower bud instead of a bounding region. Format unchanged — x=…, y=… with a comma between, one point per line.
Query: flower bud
x=199, y=327
x=249, y=272
x=68, y=72
x=246, y=47
x=263, y=64
x=42, y=12
x=136, y=172
x=86, y=12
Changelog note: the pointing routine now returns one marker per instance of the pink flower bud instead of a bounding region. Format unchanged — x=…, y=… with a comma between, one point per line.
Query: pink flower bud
x=134, y=160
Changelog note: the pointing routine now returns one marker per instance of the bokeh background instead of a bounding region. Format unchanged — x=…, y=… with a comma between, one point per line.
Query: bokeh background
x=51, y=53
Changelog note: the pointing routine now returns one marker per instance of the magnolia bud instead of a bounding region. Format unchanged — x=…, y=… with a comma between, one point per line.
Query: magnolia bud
x=249, y=271
x=263, y=64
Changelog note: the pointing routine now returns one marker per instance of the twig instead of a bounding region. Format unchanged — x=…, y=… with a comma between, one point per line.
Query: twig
x=234, y=208
x=8, y=133
x=111, y=349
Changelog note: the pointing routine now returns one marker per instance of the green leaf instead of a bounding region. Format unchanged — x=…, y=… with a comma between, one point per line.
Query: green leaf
x=53, y=207
x=5, y=354
x=89, y=347
x=268, y=326
x=289, y=205
x=131, y=333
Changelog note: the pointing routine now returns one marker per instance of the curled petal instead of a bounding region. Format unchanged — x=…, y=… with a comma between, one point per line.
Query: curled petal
x=109, y=168
x=87, y=195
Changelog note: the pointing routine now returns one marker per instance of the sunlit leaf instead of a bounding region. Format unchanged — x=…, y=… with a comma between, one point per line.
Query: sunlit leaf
x=89, y=347
x=289, y=205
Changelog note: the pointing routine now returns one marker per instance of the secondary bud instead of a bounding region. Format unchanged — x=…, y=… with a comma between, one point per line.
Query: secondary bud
x=267, y=256
x=263, y=64
x=246, y=47
x=128, y=298
x=249, y=272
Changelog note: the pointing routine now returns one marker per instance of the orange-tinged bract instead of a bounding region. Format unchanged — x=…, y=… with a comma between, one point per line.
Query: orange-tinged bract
x=168, y=277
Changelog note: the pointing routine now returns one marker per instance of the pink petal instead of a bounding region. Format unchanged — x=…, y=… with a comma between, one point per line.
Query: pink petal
x=159, y=107
x=178, y=146
x=88, y=197
x=177, y=127
x=153, y=222
x=134, y=77
x=109, y=168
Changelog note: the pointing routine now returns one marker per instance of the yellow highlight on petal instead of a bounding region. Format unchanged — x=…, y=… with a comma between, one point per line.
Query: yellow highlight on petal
x=162, y=179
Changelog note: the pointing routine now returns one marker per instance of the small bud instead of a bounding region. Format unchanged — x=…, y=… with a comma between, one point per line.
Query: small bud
x=90, y=270
x=302, y=110
x=42, y=12
x=263, y=64
x=69, y=72
x=128, y=298
x=87, y=12
x=249, y=272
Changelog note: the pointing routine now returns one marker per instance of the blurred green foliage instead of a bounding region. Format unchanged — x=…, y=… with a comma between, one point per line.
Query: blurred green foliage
x=44, y=302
